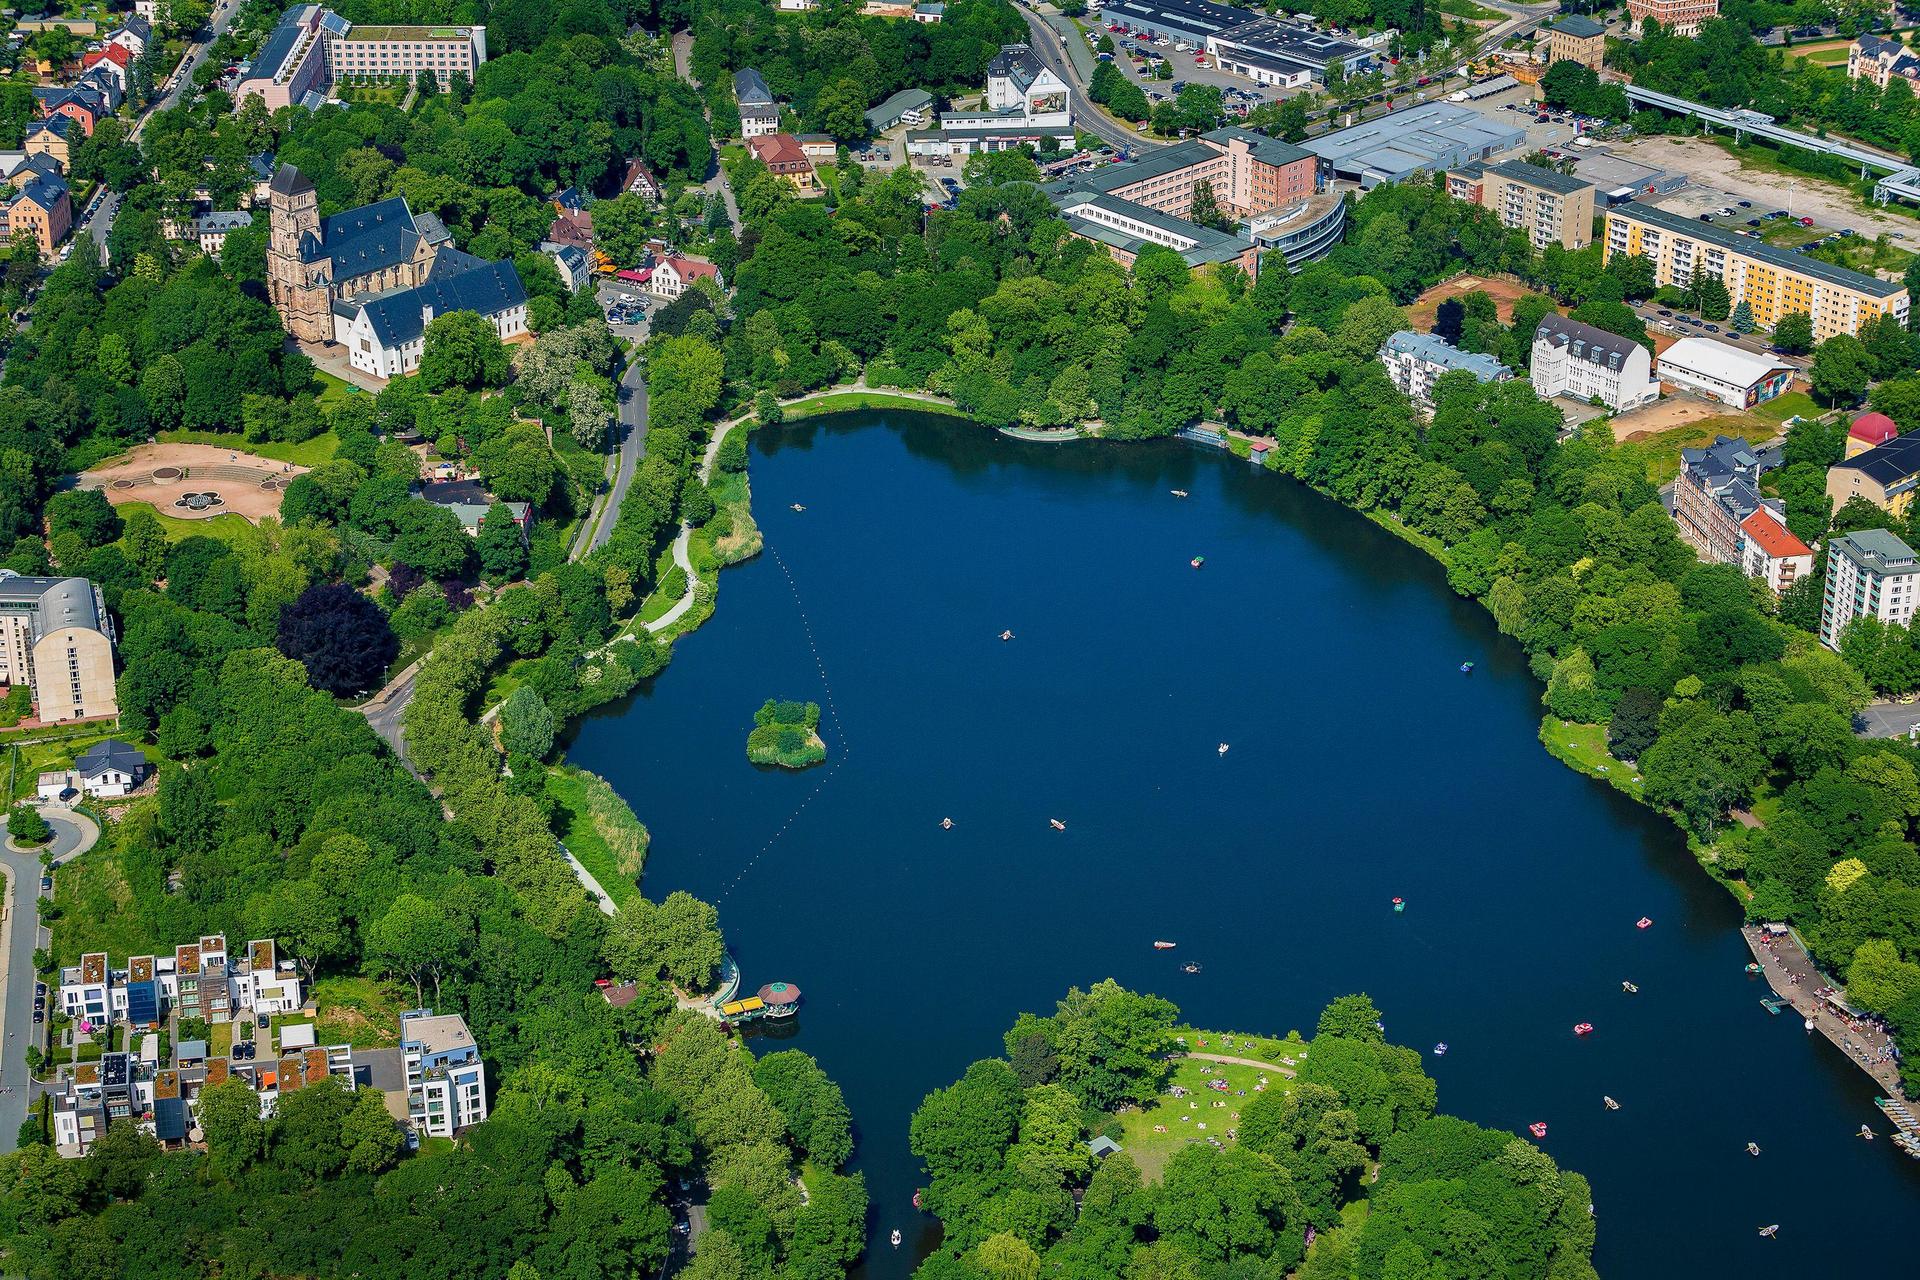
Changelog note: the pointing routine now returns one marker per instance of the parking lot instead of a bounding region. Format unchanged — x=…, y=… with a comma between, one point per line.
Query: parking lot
x=627, y=308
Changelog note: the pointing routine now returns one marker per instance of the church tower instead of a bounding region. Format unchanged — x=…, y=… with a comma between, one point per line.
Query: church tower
x=299, y=290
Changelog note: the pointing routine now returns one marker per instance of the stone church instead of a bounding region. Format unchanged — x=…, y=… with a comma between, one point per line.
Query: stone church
x=315, y=263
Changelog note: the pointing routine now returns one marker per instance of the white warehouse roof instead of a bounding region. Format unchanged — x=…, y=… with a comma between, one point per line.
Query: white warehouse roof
x=1719, y=361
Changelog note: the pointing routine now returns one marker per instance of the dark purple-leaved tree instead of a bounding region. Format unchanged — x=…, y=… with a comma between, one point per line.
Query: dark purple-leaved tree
x=340, y=636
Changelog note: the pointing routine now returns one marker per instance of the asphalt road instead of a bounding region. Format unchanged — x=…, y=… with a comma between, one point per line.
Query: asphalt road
x=633, y=447
x=384, y=709
x=1052, y=51
x=72, y=836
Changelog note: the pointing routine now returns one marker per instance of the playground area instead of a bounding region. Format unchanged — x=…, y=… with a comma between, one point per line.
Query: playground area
x=195, y=481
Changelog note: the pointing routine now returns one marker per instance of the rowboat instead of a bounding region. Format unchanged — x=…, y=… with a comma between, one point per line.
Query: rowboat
x=1643, y=923
x=1056, y=824
x=1197, y=561
x=1610, y=1104
x=1753, y=1148
x=1163, y=946
x=1583, y=1028
x=1538, y=1129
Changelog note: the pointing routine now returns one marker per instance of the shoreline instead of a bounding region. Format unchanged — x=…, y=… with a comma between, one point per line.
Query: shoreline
x=1887, y=1078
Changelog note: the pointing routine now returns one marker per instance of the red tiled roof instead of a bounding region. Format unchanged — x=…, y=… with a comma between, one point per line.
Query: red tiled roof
x=1773, y=537
x=1874, y=428
x=118, y=54
x=691, y=269
x=777, y=149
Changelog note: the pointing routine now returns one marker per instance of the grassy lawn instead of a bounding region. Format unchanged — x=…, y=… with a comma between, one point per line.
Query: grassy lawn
x=307, y=453
x=596, y=824
x=1584, y=747
x=1476, y=13
x=849, y=401
x=1152, y=1136
x=506, y=680
x=333, y=390
x=732, y=494
x=1792, y=404
x=96, y=908
x=351, y=1010
x=227, y=527
x=220, y=1040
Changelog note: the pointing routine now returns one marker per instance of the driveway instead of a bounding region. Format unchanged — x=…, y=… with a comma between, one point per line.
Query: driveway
x=73, y=835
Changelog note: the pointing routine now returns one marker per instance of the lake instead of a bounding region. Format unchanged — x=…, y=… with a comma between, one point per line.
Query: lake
x=1363, y=766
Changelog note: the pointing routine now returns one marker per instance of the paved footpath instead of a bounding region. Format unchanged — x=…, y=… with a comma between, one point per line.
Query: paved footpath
x=1790, y=971
x=73, y=835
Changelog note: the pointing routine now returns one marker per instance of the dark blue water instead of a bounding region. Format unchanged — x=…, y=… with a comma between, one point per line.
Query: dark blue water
x=1363, y=766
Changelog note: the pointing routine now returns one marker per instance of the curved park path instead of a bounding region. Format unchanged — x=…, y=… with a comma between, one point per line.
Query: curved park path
x=1244, y=1062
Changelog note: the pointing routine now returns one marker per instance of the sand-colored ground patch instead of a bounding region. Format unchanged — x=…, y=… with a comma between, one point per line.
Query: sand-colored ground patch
x=1664, y=415
x=1504, y=290
x=195, y=481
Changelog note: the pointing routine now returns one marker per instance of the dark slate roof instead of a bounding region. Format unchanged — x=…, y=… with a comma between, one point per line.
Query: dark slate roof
x=370, y=238
x=1536, y=176
x=749, y=90
x=111, y=754
x=1889, y=463
x=56, y=125
x=289, y=181
x=444, y=493
x=1016, y=62
x=44, y=192
x=1595, y=346
x=488, y=289
x=261, y=166
x=138, y=25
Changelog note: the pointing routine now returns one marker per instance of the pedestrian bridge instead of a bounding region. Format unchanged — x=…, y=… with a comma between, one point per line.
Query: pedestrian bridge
x=1901, y=180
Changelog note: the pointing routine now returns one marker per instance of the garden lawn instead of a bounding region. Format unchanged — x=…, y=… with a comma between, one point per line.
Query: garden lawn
x=23, y=770
x=227, y=528
x=305, y=453
x=1661, y=451
x=1183, y=1118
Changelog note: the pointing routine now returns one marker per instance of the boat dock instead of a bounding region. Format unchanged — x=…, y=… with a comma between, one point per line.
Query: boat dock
x=1796, y=981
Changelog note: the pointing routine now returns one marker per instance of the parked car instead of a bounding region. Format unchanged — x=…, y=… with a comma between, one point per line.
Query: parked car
x=1745, y=204
x=1753, y=222
x=46, y=884
x=1713, y=328
x=38, y=1017
x=1664, y=313
x=1806, y=222
x=1706, y=217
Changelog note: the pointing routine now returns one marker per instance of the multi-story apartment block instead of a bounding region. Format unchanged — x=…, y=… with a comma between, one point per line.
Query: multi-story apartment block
x=314, y=48
x=1676, y=17
x=446, y=1081
x=1552, y=208
x=1870, y=574
x=57, y=639
x=1770, y=552
x=199, y=980
x=1881, y=59
x=1717, y=489
x=1415, y=360
x=1573, y=38
x=1585, y=363
x=1885, y=475
x=1772, y=282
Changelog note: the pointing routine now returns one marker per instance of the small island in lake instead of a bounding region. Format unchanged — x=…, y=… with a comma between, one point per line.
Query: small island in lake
x=786, y=734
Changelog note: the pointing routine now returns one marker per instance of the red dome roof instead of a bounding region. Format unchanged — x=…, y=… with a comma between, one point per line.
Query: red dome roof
x=1877, y=428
